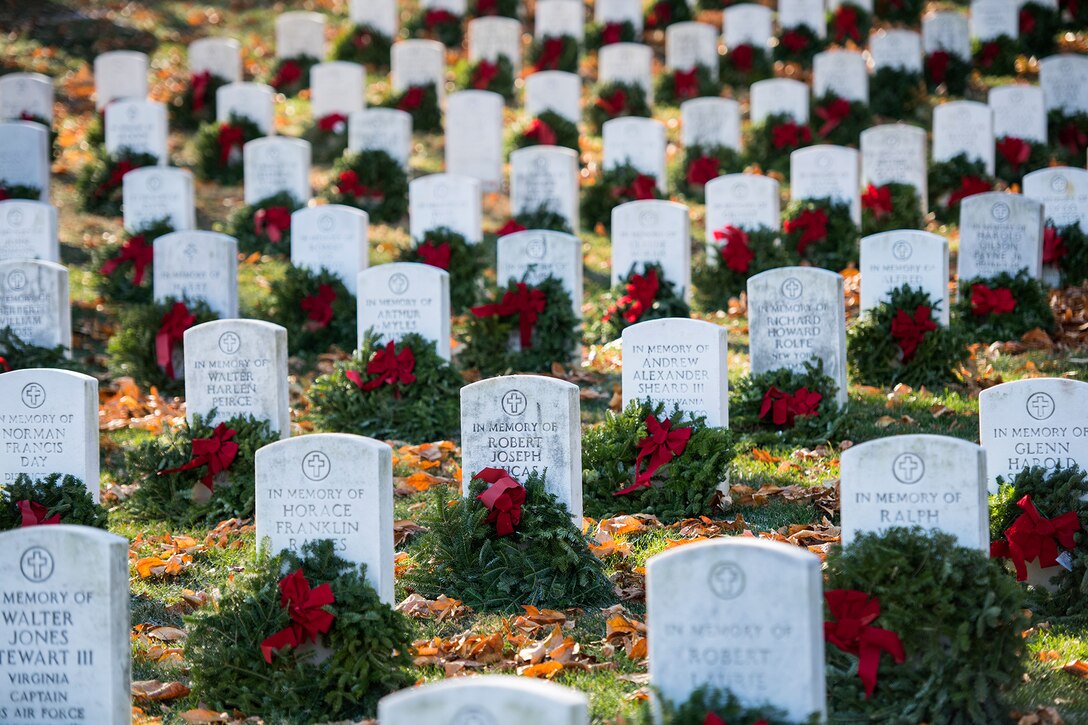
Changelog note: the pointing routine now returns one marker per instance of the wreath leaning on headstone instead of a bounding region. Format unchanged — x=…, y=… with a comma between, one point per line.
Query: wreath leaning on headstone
x=505, y=545
x=599, y=35
x=896, y=92
x=541, y=218
x=270, y=625
x=53, y=499
x=700, y=164
x=554, y=52
x=291, y=76
x=673, y=87
x=615, y=99
x=836, y=120
x=124, y=270
x=18, y=354
x=198, y=474
x=1067, y=249
x=218, y=147
x=370, y=180
x=421, y=103
x=798, y=44
x=711, y=706
x=484, y=75
x=613, y=187
x=744, y=64
x=365, y=45
x=436, y=23
x=1003, y=307
x=900, y=12
x=328, y=137
x=784, y=405
x=446, y=249
x=662, y=13
x=849, y=23
x=401, y=391
x=920, y=630
x=769, y=143
x=890, y=207
x=639, y=296
x=195, y=104
x=1015, y=157
x=821, y=232
x=315, y=307
x=19, y=191
x=995, y=56
x=264, y=227
x=99, y=182
x=644, y=461
x=952, y=181
x=738, y=254
x=947, y=69
x=547, y=129
x=1070, y=132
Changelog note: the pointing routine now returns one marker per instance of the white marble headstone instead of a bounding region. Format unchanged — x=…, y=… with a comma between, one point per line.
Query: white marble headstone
x=990, y=19
x=842, y=72
x=900, y=49
x=748, y=24
x=137, y=125
x=474, y=137
x=746, y=201
x=300, y=33
x=1064, y=79
x=627, y=63
x=337, y=87
x=895, y=153
x=545, y=177
x=418, y=62
x=276, y=164
x=332, y=237
x=827, y=171
x=382, y=15
x=452, y=201
x=153, y=193
x=402, y=298
x=779, y=96
x=618, y=11
x=710, y=122
x=219, y=56
x=1019, y=111
x=691, y=44
x=34, y=302
x=28, y=230
x=255, y=101
x=1000, y=232
x=197, y=265
x=24, y=155
x=964, y=127
x=26, y=93
x=946, y=30
x=556, y=91
x=382, y=129
x=811, y=13
x=533, y=255
x=556, y=18
x=493, y=37
x=652, y=231
x=119, y=74
x=639, y=142
x=1063, y=192
x=892, y=259
x=484, y=700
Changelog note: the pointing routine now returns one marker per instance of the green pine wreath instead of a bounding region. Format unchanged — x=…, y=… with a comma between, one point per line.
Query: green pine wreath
x=328, y=138
x=841, y=130
x=548, y=126
x=1032, y=308
x=947, y=69
x=184, y=113
x=426, y=409
x=896, y=92
x=849, y=23
x=798, y=45
x=119, y=286
x=381, y=179
x=98, y=185
x=489, y=340
x=744, y=64
x=1068, y=250
x=55, y=495
x=1015, y=157
x=958, y=616
x=554, y=52
x=222, y=162
x=699, y=164
x=836, y=249
x=613, y=187
x=19, y=191
x=599, y=35
x=769, y=143
x=1039, y=28
x=546, y=562
x=995, y=57
x=615, y=310
x=18, y=354
x=291, y=76
x=169, y=497
x=465, y=263
x=615, y=99
x=746, y=400
x=495, y=8
x=878, y=358
x=724, y=275
x=315, y=307
x=436, y=24
x=421, y=103
x=660, y=14
x=370, y=644
x=131, y=352
x=905, y=211
x=274, y=238
x=666, y=92
x=706, y=701
x=952, y=181
x=483, y=75
x=900, y=12
x=684, y=487
x=363, y=44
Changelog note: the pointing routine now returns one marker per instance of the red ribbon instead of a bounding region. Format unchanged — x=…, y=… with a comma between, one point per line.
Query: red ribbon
x=811, y=224
x=290, y=71
x=641, y=293
x=851, y=631
x=784, y=408
x=34, y=514
x=988, y=53
x=134, y=250
x=969, y=186
x=743, y=57
x=217, y=453
x=199, y=84
x=540, y=132
x=790, y=134
x=614, y=103
x=171, y=332
x=1027, y=21
x=230, y=138
x=987, y=301
x=388, y=368
x=846, y=24
x=4, y=195
x=332, y=123
x=612, y=33
x=487, y=7
x=510, y=227
x=833, y=114
x=1033, y=537
x=1015, y=151
x=794, y=41
x=348, y=183
x=685, y=83
x=436, y=255
x=713, y=719
x=4, y=364
x=272, y=222
x=1053, y=246
x=643, y=187
x=550, y=53
x=937, y=66
x=702, y=170
x=306, y=609
x=1073, y=138
x=483, y=74
x=503, y=499
x=527, y=303
x=438, y=16
x=660, y=445
x=116, y=176
x=736, y=253
x=411, y=100
x=909, y=331
x=660, y=15
x=878, y=200
x=318, y=307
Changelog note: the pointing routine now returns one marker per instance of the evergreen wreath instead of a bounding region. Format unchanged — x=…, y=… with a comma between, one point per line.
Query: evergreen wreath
x=995, y=57
x=1016, y=157
x=798, y=45
x=219, y=149
x=19, y=191
x=821, y=232
x=195, y=104
x=711, y=706
x=957, y=616
x=426, y=409
x=700, y=164
x=849, y=23
x=639, y=297
x=543, y=217
x=838, y=121
x=484, y=75
x=291, y=76
x=944, y=68
x=370, y=180
x=421, y=103
x=370, y=643
x=769, y=143
x=615, y=99
x=490, y=8
x=715, y=4
x=135, y=351
x=446, y=249
x=1039, y=28
x=599, y=35
x=901, y=341
x=315, y=307
x=99, y=182
x=752, y=410
x=328, y=137
x=1053, y=494
x=42, y=120
x=896, y=92
x=744, y=64
x=54, y=499
x=494, y=332
x=890, y=207
x=615, y=186
x=663, y=13
x=124, y=270
x=167, y=494
x=1069, y=132
x=1075, y=14
x=437, y=24
x=900, y=12
x=545, y=562
x=1067, y=249
x=740, y=254
x=673, y=87
x=265, y=226
x=554, y=52
x=363, y=44
x=952, y=181
x=1003, y=307
x=617, y=480
x=17, y=354
x=547, y=129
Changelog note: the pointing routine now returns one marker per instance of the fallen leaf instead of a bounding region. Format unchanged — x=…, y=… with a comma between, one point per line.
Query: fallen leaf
x=200, y=715
x=156, y=691
x=1078, y=668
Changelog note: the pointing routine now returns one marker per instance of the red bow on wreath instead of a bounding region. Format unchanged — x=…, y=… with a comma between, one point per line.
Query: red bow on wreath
x=811, y=224
x=1015, y=151
x=34, y=514
x=1033, y=537
x=290, y=71
x=614, y=103
x=937, y=66
x=439, y=16
x=318, y=307
x=846, y=24
x=230, y=138
x=1053, y=246
x=503, y=498
x=736, y=253
x=483, y=74
x=540, y=132
x=199, y=85
x=660, y=15
x=348, y=183
x=1073, y=138
x=411, y=100
x=510, y=227
x=388, y=368
x=660, y=445
x=989, y=53
x=789, y=134
x=527, y=303
x=851, y=631
x=713, y=719
x=4, y=364
x=969, y=186
x=116, y=176
x=217, y=453
x=784, y=408
x=794, y=41
x=171, y=332
x=878, y=200
x=272, y=222
x=1027, y=21
x=305, y=606
x=909, y=332
x=436, y=255
x=332, y=123
x=641, y=293
x=612, y=33
x=4, y=195
x=995, y=301
x=135, y=250
x=833, y=114
x=642, y=187
x=685, y=83
x=550, y=53
x=487, y=7
x=743, y=57
x=702, y=170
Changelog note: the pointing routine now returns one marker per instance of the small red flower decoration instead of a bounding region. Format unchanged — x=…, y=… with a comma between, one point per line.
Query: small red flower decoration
x=1053, y=246
x=318, y=307
x=995, y=301
x=702, y=170
x=811, y=224
x=878, y=200
x=735, y=252
x=1015, y=151
x=909, y=331
x=306, y=608
x=503, y=499
x=789, y=135
x=783, y=408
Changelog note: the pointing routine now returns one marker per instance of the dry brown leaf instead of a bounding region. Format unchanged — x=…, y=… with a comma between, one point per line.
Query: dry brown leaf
x=1077, y=668
x=200, y=715
x=546, y=670
x=156, y=691
x=404, y=529
x=764, y=456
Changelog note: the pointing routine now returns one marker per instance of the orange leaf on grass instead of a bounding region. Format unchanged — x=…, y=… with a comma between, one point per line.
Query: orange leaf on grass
x=156, y=691
x=546, y=670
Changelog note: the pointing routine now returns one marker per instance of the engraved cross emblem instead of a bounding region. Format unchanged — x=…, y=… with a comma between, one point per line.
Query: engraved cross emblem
x=316, y=465
x=37, y=563
x=908, y=468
